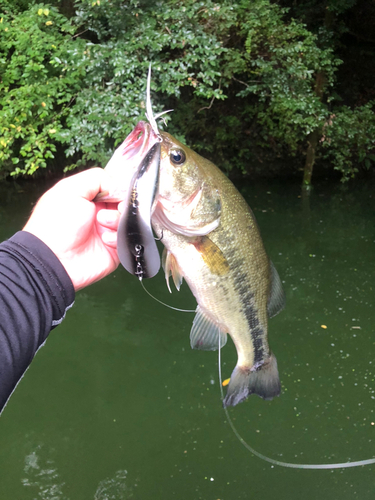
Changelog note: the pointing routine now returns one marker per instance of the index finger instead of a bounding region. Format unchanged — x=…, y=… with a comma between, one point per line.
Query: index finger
x=86, y=184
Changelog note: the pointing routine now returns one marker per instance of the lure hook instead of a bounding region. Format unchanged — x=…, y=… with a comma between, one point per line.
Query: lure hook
x=149, y=113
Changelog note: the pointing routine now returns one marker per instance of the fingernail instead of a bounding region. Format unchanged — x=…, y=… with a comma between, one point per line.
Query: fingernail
x=107, y=216
x=109, y=237
x=121, y=207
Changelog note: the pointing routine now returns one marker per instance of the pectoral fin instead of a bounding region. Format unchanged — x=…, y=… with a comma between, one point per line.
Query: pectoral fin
x=171, y=266
x=205, y=333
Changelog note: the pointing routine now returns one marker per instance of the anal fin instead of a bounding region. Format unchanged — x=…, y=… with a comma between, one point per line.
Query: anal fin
x=205, y=333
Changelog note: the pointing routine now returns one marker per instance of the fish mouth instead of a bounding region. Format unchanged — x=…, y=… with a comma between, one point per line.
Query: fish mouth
x=125, y=162
x=139, y=141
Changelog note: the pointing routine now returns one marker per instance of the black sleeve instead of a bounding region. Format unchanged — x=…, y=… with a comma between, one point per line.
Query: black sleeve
x=35, y=293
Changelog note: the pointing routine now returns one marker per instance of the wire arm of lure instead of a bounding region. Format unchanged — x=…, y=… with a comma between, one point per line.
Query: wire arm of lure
x=163, y=113
x=149, y=114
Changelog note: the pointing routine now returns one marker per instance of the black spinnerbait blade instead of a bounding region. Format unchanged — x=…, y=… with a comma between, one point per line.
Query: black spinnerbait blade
x=136, y=245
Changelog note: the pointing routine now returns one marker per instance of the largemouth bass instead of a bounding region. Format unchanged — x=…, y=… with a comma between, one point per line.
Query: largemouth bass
x=212, y=240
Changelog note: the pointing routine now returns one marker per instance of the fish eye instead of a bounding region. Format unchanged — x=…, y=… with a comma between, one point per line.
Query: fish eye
x=177, y=156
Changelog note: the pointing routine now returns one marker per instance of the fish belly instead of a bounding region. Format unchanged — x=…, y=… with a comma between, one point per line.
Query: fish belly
x=225, y=295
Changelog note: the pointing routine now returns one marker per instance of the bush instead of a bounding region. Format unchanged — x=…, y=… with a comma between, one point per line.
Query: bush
x=38, y=85
x=349, y=139
x=241, y=77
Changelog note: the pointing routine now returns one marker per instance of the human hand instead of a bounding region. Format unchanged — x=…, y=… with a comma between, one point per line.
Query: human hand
x=81, y=233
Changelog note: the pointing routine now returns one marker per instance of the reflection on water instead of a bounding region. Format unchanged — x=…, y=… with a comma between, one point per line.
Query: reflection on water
x=42, y=478
x=117, y=387
x=42, y=481
x=114, y=488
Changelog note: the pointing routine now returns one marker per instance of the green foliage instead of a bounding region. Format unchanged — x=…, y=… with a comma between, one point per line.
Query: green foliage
x=241, y=77
x=352, y=132
x=268, y=72
x=281, y=70
x=180, y=43
x=202, y=52
x=37, y=84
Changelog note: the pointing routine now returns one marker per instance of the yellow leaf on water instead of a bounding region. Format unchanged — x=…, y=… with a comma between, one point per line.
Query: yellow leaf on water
x=226, y=382
x=323, y=326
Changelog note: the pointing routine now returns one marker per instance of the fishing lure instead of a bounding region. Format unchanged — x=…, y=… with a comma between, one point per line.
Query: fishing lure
x=136, y=245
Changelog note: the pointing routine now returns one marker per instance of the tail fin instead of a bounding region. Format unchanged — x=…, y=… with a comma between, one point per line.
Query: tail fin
x=264, y=382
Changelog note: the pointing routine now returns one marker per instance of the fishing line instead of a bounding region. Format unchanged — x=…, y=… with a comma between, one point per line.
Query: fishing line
x=163, y=303
x=277, y=462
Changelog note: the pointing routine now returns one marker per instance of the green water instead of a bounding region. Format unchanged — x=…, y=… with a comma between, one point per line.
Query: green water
x=117, y=406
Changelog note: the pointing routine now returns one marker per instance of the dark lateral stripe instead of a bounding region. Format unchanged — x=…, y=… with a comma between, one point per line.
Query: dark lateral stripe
x=247, y=300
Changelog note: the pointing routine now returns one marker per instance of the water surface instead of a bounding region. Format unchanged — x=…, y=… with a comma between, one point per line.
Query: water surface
x=117, y=406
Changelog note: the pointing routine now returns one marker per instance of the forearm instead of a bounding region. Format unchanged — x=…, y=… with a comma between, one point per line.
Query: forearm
x=35, y=292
